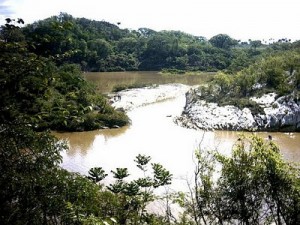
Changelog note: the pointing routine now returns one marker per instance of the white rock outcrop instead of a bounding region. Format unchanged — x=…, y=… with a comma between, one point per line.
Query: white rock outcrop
x=282, y=114
x=129, y=99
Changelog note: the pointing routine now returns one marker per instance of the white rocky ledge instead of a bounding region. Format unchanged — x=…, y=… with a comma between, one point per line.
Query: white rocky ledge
x=129, y=99
x=282, y=114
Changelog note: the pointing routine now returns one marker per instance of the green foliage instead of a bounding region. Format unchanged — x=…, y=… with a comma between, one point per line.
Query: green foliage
x=224, y=82
x=161, y=175
x=142, y=161
x=260, y=182
x=255, y=186
x=102, y=46
x=28, y=164
x=173, y=71
x=241, y=59
x=222, y=41
x=255, y=44
x=35, y=190
x=10, y=32
x=277, y=73
x=40, y=93
x=42, y=87
x=121, y=173
x=135, y=195
x=97, y=174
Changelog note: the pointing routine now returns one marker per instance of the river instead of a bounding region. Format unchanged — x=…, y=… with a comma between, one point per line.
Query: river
x=153, y=132
x=105, y=82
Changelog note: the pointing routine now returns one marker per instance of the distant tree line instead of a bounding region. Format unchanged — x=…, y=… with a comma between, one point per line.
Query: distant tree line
x=102, y=46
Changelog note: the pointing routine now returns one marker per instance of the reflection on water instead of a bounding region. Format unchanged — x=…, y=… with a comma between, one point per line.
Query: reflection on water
x=288, y=142
x=82, y=142
x=153, y=133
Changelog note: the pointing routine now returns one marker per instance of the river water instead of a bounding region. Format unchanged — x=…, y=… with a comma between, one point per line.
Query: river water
x=153, y=132
x=105, y=82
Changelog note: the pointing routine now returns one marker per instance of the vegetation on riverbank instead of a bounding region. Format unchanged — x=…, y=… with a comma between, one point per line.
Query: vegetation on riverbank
x=185, y=72
x=252, y=186
x=255, y=186
x=36, y=91
x=278, y=73
x=34, y=189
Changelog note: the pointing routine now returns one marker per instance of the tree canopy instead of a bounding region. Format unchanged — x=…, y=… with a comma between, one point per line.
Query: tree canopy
x=254, y=185
x=102, y=46
x=40, y=91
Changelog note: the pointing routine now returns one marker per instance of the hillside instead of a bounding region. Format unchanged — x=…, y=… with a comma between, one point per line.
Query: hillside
x=102, y=46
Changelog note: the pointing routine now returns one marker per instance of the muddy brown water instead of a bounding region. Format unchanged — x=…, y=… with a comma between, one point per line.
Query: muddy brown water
x=153, y=132
x=105, y=81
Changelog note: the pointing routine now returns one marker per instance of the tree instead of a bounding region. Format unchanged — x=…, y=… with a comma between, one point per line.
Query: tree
x=244, y=82
x=30, y=188
x=102, y=47
x=128, y=45
x=224, y=82
x=255, y=44
x=11, y=32
x=222, y=41
x=241, y=59
x=157, y=51
x=146, y=32
x=255, y=186
x=133, y=196
x=265, y=185
x=97, y=174
x=38, y=92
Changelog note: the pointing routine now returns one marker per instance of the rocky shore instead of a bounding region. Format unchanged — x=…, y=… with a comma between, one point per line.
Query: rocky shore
x=280, y=114
x=129, y=99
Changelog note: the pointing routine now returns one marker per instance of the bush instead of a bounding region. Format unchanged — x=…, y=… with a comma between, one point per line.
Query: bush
x=111, y=120
x=242, y=103
x=253, y=186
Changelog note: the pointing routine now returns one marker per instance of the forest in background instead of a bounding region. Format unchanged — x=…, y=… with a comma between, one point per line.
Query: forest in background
x=102, y=46
x=58, y=49
x=42, y=88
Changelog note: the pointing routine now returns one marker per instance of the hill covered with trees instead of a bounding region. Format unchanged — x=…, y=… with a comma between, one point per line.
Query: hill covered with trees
x=102, y=46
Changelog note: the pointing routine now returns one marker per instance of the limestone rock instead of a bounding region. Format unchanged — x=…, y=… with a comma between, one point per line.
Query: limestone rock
x=282, y=114
x=129, y=99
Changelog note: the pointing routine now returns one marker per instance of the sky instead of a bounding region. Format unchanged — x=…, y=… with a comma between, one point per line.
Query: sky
x=240, y=19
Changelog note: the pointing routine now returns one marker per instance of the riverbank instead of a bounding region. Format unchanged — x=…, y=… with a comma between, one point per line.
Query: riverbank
x=130, y=99
x=279, y=114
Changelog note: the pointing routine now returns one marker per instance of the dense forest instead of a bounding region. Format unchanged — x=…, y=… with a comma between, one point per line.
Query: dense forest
x=38, y=90
x=102, y=46
x=42, y=89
